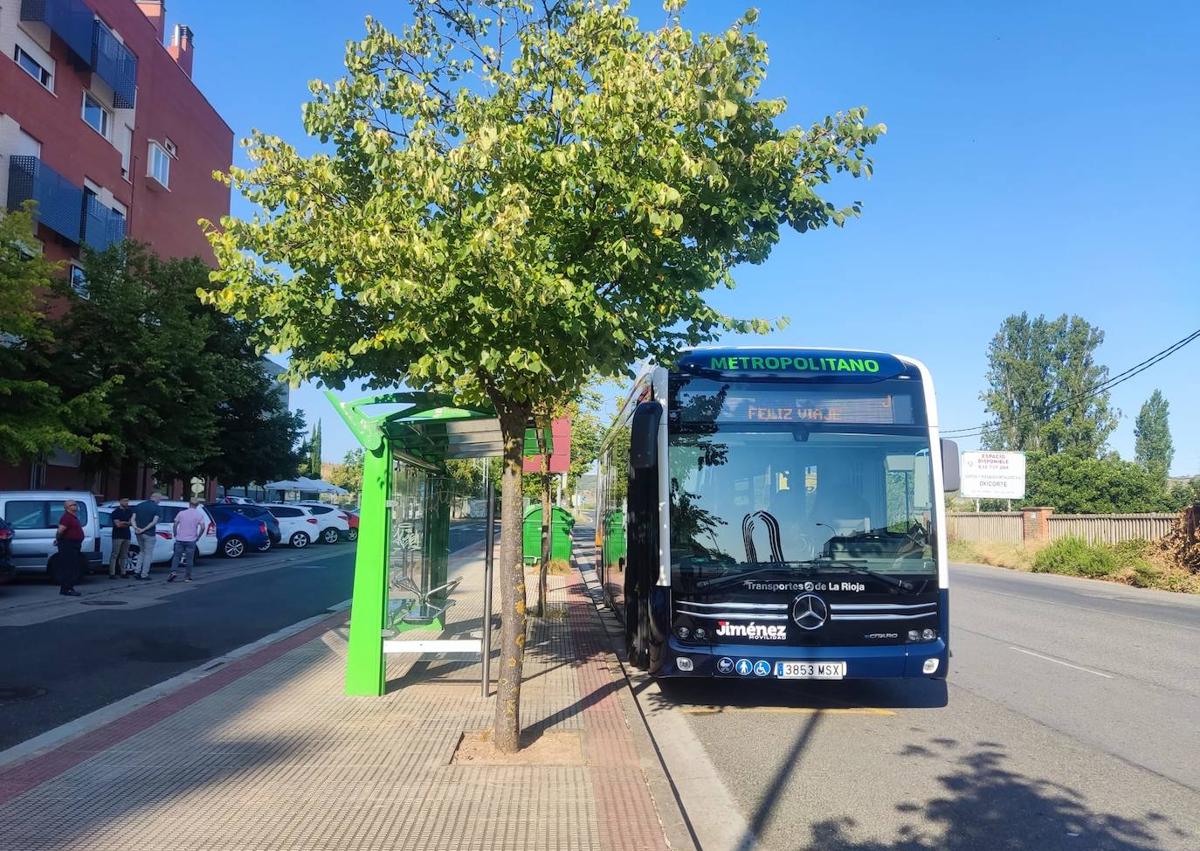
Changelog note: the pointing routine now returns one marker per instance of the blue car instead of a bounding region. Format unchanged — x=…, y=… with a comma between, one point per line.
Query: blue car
x=238, y=534
x=257, y=512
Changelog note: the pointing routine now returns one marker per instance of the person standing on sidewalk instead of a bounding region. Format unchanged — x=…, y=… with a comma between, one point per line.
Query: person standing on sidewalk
x=70, y=540
x=145, y=524
x=189, y=526
x=122, y=519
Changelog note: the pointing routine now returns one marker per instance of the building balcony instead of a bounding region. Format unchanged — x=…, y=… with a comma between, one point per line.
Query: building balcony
x=93, y=43
x=114, y=64
x=59, y=201
x=101, y=226
x=71, y=20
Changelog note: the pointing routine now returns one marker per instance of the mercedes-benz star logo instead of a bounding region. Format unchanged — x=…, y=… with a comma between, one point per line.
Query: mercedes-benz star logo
x=809, y=611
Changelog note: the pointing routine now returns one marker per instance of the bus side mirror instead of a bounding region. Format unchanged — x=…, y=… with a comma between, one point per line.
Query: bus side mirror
x=643, y=440
x=951, y=480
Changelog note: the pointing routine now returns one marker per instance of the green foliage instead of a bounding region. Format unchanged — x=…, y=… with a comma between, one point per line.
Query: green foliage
x=1153, y=447
x=1183, y=494
x=349, y=473
x=1042, y=375
x=313, y=448
x=1076, y=557
x=143, y=330
x=36, y=415
x=1077, y=485
x=581, y=194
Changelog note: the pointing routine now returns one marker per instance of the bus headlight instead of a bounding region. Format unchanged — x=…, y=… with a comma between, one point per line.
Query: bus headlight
x=929, y=634
x=683, y=632
x=930, y=666
x=700, y=634
x=685, y=664
x=914, y=635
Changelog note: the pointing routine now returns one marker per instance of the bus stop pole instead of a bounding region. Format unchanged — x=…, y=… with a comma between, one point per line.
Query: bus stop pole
x=488, y=552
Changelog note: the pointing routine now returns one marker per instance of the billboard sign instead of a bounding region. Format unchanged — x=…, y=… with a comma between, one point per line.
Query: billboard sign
x=993, y=475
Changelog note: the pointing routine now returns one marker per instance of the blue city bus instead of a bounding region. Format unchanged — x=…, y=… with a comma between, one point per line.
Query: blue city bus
x=779, y=513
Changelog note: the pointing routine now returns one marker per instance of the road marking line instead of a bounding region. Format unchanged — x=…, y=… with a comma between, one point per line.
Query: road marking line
x=1061, y=662
x=788, y=710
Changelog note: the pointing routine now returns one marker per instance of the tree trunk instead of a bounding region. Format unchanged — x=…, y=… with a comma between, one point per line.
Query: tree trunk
x=506, y=732
x=547, y=519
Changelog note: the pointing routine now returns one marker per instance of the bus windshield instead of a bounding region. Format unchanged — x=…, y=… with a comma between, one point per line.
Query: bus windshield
x=775, y=482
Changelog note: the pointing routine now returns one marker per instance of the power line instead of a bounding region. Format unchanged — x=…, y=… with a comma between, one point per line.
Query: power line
x=1103, y=387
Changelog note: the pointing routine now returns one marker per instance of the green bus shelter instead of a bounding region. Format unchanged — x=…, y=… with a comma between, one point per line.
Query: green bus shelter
x=401, y=581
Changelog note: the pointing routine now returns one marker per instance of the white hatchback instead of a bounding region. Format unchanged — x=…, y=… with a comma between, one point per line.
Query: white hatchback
x=297, y=525
x=335, y=524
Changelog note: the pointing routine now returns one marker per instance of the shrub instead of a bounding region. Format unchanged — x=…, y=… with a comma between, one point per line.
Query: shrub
x=1076, y=557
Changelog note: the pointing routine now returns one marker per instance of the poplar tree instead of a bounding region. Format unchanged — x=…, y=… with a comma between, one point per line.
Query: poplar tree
x=1153, y=447
x=512, y=196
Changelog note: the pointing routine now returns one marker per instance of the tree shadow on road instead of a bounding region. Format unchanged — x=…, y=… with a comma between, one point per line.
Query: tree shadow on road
x=985, y=804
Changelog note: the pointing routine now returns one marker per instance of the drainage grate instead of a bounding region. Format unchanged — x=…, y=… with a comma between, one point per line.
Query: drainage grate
x=105, y=602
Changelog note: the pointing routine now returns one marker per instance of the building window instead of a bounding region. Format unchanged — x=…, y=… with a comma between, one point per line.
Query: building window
x=160, y=164
x=97, y=117
x=79, y=280
x=34, y=68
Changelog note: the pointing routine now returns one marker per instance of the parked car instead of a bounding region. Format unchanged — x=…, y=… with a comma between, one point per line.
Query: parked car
x=297, y=524
x=259, y=512
x=352, y=514
x=236, y=533
x=33, y=516
x=334, y=523
x=168, y=510
x=237, y=500
x=164, y=543
x=7, y=569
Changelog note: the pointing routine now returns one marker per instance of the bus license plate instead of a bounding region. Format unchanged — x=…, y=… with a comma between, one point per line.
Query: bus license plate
x=810, y=670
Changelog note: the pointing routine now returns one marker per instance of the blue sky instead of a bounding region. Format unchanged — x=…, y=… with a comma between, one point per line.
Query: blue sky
x=1039, y=157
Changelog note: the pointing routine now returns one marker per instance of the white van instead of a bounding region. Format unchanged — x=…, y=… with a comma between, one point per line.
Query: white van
x=34, y=518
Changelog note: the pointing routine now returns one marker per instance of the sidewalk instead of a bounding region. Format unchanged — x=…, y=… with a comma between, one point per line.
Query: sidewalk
x=268, y=754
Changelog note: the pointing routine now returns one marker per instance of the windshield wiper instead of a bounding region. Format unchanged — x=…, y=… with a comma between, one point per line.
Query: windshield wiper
x=855, y=567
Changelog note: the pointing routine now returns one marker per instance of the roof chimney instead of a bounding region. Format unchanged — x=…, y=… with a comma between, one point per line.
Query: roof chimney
x=156, y=11
x=181, y=48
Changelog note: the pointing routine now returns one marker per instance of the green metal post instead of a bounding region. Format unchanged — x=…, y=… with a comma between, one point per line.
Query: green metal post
x=368, y=610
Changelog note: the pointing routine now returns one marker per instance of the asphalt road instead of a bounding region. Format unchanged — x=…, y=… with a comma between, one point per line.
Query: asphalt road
x=57, y=667
x=1070, y=720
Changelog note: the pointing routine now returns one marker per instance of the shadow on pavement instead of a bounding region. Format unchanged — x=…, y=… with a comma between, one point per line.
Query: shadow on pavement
x=986, y=805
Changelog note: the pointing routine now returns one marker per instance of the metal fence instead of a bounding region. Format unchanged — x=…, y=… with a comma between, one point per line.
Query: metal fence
x=1001, y=527
x=1110, y=528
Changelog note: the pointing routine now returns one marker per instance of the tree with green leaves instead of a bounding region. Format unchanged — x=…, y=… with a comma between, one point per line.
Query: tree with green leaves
x=314, y=452
x=1044, y=392
x=349, y=473
x=1153, y=447
x=1075, y=484
x=142, y=329
x=513, y=197
x=36, y=415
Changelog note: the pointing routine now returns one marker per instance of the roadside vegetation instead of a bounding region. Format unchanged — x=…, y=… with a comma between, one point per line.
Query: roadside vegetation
x=1139, y=563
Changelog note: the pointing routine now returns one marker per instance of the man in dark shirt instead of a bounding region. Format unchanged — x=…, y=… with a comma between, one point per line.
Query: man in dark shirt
x=122, y=519
x=145, y=523
x=70, y=540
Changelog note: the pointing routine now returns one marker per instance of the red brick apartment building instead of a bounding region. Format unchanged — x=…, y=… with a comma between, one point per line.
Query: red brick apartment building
x=101, y=124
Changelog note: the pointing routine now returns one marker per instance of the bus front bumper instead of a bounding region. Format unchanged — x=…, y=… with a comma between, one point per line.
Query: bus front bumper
x=682, y=659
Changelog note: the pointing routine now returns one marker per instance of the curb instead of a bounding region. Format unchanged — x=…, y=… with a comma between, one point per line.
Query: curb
x=676, y=767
